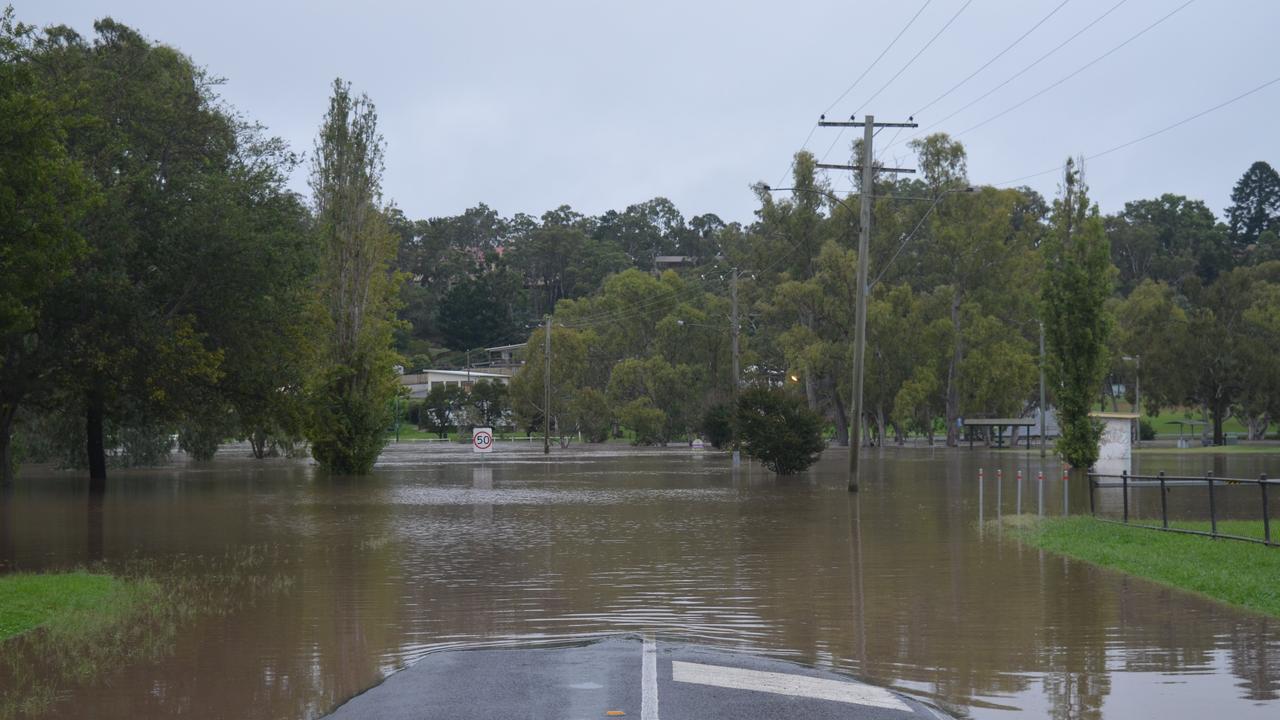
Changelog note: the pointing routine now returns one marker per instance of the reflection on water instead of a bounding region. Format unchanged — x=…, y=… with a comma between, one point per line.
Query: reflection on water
x=900, y=583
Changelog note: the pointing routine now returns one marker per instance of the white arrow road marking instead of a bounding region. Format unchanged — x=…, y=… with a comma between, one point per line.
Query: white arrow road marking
x=649, y=680
x=784, y=684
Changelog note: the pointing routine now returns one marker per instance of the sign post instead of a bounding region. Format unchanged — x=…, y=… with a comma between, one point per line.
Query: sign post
x=482, y=440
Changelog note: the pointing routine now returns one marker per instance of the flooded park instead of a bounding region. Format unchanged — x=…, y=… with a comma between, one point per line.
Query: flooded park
x=906, y=585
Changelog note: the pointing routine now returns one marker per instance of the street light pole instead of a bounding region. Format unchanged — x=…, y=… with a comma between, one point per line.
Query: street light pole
x=1137, y=395
x=1044, y=409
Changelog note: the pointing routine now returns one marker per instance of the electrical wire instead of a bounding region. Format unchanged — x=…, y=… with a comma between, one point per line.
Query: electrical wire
x=849, y=89
x=899, y=73
x=1075, y=72
x=995, y=57
x=1150, y=135
x=1020, y=73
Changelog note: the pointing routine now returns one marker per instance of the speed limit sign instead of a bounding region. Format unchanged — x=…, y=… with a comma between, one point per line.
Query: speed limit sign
x=482, y=440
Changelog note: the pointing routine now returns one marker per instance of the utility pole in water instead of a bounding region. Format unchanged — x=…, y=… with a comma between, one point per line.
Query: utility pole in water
x=546, y=391
x=737, y=459
x=867, y=167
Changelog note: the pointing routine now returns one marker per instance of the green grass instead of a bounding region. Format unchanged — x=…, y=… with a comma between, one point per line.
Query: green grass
x=67, y=629
x=63, y=599
x=1237, y=573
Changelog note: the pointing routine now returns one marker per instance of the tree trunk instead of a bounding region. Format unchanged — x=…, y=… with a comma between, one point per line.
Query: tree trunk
x=96, y=448
x=881, y=426
x=1258, y=426
x=7, y=469
x=1218, y=437
x=953, y=379
x=842, y=421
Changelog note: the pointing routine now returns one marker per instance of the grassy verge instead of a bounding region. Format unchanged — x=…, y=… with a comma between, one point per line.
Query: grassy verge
x=1237, y=573
x=60, y=631
x=67, y=599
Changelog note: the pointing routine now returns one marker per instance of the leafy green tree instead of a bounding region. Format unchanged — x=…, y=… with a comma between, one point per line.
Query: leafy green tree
x=1254, y=209
x=130, y=329
x=353, y=391
x=645, y=420
x=591, y=414
x=778, y=429
x=440, y=409
x=490, y=402
x=717, y=424
x=1170, y=239
x=481, y=311
x=43, y=196
x=1078, y=280
x=568, y=368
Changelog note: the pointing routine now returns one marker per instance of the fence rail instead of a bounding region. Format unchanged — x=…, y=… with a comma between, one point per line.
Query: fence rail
x=1127, y=482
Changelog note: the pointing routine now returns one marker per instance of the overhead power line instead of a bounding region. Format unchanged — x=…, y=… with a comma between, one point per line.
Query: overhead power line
x=1150, y=135
x=994, y=58
x=1077, y=71
x=849, y=89
x=1018, y=74
x=886, y=49
x=899, y=73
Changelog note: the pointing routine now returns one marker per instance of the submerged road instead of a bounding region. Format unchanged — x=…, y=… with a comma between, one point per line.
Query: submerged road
x=622, y=677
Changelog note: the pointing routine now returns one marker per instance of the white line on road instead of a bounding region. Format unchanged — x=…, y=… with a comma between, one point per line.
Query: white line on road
x=649, y=680
x=784, y=684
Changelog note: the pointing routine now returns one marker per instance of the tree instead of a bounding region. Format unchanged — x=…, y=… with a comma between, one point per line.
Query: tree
x=129, y=332
x=778, y=429
x=490, y=401
x=591, y=414
x=439, y=410
x=357, y=289
x=1170, y=238
x=43, y=195
x=1254, y=209
x=1078, y=279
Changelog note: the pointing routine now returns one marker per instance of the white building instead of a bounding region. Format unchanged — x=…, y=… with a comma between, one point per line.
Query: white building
x=420, y=383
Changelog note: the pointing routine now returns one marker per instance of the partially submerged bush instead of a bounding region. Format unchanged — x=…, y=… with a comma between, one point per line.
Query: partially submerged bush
x=778, y=429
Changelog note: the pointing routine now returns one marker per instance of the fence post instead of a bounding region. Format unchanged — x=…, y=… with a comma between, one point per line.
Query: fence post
x=1164, y=504
x=1213, y=512
x=1092, y=511
x=1124, y=481
x=1266, y=516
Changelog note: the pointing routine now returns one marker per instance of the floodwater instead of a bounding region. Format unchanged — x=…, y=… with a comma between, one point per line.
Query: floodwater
x=901, y=584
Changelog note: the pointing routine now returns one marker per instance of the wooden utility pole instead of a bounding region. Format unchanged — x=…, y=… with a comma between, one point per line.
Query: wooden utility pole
x=546, y=391
x=867, y=167
x=737, y=459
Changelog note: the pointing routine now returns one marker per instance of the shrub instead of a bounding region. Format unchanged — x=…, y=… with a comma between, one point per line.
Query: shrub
x=645, y=420
x=779, y=430
x=717, y=425
x=1146, y=431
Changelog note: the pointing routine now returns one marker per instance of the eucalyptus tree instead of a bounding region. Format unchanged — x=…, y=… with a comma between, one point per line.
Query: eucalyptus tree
x=357, y=289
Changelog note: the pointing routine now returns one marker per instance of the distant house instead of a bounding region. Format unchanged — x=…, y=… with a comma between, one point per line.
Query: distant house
x=670, y=262
x=504, y=359
x=421, y=383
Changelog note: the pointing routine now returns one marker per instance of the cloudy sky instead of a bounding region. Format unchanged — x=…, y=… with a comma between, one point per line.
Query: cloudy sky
x=527, y=105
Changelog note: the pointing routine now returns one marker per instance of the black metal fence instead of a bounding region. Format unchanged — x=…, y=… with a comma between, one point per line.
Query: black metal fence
x=1136, y=511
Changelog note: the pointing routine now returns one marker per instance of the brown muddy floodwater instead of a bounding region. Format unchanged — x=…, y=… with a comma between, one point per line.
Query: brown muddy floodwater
x=899, y=584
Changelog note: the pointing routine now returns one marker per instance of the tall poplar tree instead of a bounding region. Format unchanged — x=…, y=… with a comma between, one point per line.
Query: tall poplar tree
x=1078, y=280
x=351, y=394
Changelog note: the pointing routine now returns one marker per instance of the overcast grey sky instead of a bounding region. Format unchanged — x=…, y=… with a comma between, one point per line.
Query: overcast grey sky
x=528, y=105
